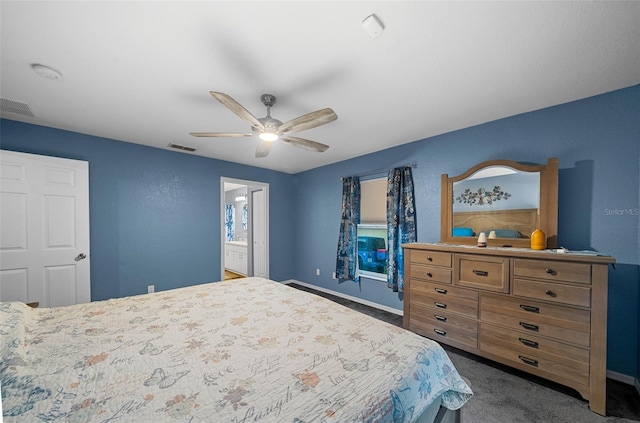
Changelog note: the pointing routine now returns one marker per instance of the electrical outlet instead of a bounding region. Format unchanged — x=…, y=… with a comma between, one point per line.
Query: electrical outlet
x=317, y=272
x=151, y=289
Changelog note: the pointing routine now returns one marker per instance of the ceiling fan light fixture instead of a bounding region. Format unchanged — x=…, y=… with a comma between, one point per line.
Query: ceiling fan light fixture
x=269, y=136
x=268, y=130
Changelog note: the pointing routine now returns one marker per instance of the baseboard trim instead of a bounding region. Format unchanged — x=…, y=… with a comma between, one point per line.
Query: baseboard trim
x=621, y=377
x=347, y=297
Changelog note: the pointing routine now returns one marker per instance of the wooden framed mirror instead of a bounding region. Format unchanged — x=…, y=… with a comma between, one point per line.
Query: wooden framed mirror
x=507, y=198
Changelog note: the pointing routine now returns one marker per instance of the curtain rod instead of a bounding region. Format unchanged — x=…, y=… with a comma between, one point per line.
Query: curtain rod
x=411, y=165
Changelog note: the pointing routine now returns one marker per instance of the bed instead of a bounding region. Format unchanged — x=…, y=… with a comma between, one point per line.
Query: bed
x=246, y=350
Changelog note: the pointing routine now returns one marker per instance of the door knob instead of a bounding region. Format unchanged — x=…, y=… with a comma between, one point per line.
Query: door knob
x=81, y=256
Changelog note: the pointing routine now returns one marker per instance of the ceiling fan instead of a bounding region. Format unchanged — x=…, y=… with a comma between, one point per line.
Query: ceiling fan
x=269, y=129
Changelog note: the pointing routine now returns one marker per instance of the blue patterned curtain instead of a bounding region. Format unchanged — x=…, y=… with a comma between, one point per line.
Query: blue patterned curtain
x=229, y=211
x=347, y=257
x=401, y=222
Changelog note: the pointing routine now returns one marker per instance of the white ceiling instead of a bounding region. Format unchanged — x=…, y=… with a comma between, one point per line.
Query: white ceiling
x=141, y=71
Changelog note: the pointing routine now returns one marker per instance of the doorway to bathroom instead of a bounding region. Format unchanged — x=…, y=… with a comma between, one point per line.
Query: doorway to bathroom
x=244, y=223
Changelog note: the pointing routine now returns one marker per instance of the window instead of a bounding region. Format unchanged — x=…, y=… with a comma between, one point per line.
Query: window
x=372, y=230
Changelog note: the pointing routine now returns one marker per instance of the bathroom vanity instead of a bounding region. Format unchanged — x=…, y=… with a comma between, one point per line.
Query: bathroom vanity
x=235, y=257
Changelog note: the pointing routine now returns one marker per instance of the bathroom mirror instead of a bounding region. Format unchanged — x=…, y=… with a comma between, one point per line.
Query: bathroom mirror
x=507, y=200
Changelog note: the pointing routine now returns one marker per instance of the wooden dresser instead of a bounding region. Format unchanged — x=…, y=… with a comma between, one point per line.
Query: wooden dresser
x=538, y=311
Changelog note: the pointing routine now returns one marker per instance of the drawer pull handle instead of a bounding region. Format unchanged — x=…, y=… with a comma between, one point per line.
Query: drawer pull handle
x=440, y=305
x=528, y=343
x=529, y=326
x=481, y=272
x=529, y=361
x=441, y=291
x=529, y=308
x=429, y=258
x=550, y=271
x=440, y=332
x=550, y=293
x=441, y=318
x=430, y=274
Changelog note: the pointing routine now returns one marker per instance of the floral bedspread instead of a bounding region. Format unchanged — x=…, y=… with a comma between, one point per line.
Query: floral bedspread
x=247, y=350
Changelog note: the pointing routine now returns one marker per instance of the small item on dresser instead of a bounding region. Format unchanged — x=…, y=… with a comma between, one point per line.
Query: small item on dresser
x=482, y=240
x=492, y=235
x=538, y=240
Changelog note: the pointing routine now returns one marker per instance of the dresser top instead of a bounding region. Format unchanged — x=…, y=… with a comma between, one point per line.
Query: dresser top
x=549, y=254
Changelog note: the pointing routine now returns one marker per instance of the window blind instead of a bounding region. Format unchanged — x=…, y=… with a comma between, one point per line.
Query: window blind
x=373, y=201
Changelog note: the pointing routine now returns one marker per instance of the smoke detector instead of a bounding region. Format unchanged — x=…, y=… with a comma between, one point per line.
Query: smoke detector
x=373, y=26
x=46, y=72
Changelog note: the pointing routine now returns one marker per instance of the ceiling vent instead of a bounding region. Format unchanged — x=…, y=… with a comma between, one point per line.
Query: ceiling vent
x=182, y=147
x=15, y=107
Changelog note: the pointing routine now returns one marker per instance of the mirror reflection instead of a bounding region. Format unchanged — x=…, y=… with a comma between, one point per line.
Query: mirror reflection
x=501, y=201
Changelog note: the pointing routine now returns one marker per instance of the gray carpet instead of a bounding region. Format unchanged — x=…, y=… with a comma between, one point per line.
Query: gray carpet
x=505, y=395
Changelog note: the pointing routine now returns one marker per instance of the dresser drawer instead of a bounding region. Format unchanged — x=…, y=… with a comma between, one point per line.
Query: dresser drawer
x=458, y=332
x=446, y=321
x=553, y=270
x=429, y=273
x=532, y=360
x=555, y=292
x=536, y=318
x=568, y=355
x=443, y=298
x=482, y=272
x=432, y=258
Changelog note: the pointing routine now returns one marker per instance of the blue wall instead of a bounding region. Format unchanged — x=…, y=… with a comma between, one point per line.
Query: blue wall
x=597, y=141
x=155, y=214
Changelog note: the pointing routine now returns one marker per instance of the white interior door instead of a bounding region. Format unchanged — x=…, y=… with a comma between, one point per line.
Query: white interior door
x=44, y=229
x=259, y=234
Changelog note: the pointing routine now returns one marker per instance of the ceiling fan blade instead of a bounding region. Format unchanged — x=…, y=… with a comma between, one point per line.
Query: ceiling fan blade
x=263, y=149
x=306, y=144
x=237, y=108
x=219, y=134
x=308, y=121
